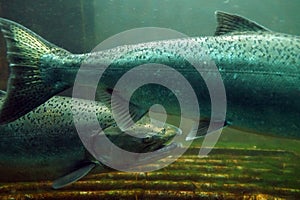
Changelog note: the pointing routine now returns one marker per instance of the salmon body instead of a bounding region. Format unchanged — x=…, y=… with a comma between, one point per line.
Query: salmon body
x=44, y=143
x=260, y=70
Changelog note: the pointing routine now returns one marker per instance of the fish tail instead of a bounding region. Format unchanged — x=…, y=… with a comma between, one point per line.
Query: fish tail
x=27, y=86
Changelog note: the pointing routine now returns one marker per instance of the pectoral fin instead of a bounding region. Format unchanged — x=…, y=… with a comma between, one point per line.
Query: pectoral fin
x=202, y=129
x=73, y=176
x=2, y=93
x=119, y=107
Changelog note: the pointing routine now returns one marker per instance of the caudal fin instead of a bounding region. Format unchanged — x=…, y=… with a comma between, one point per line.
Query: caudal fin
x=27, y=88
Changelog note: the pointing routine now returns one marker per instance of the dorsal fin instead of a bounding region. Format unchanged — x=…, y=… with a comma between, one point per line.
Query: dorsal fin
x=230, y=23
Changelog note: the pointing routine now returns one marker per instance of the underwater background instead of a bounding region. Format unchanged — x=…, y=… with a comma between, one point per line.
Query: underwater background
x=242, y=166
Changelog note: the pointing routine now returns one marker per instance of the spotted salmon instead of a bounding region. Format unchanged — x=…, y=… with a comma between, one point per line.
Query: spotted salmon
x=260, y=70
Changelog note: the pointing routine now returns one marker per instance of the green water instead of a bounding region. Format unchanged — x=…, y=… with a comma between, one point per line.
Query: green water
x=79, y=25
x=193, y=17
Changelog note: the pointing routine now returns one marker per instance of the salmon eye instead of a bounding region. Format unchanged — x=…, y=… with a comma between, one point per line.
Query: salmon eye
x=147, y=139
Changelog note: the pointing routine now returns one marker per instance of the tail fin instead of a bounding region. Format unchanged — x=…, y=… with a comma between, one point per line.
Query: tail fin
x=26, y=87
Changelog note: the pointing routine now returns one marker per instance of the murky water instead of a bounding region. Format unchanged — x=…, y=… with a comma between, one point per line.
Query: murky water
x=244, y=165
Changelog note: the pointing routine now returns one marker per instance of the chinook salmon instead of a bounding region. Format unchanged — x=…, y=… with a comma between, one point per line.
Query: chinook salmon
x=260, y=70
x=44, y=143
